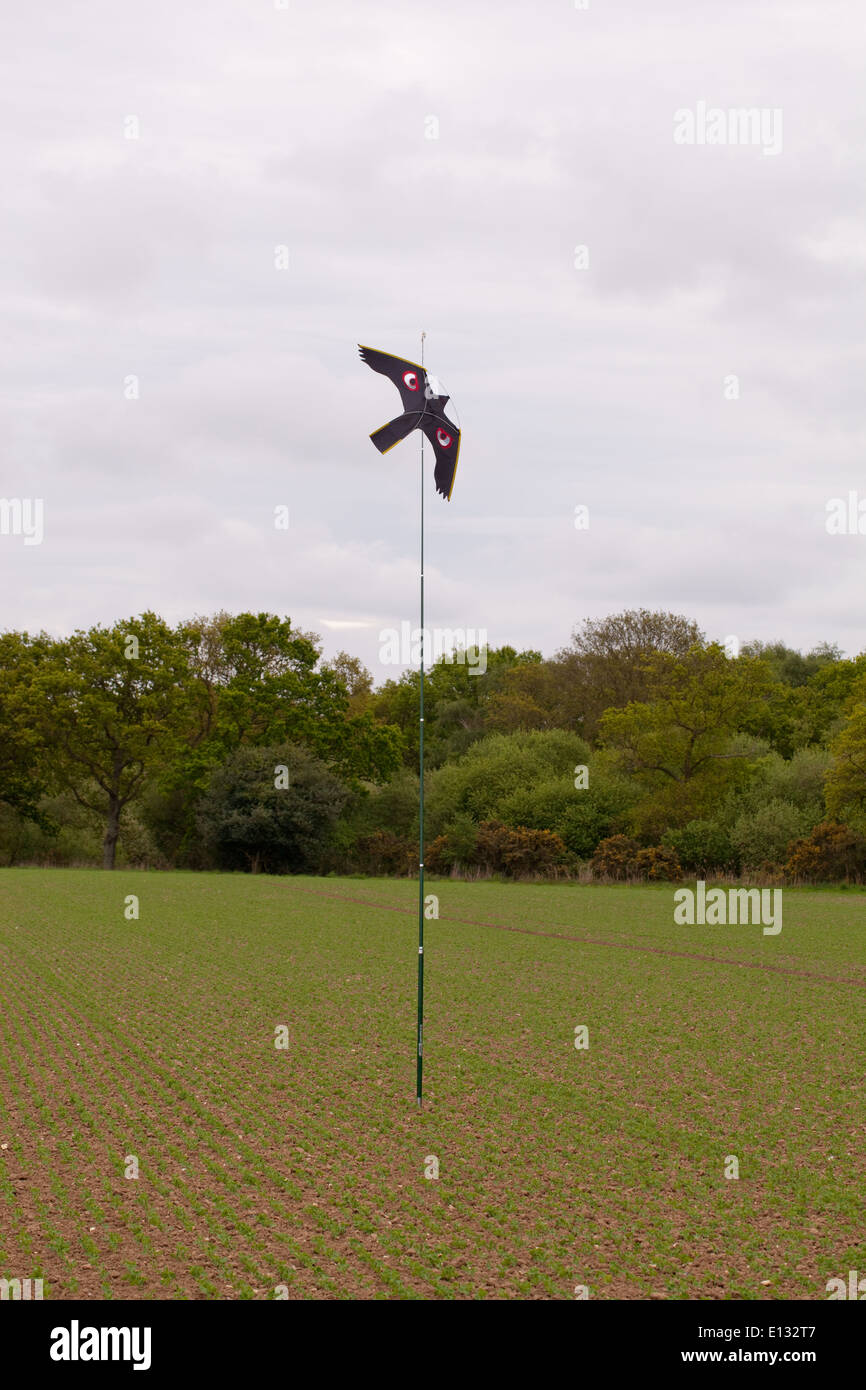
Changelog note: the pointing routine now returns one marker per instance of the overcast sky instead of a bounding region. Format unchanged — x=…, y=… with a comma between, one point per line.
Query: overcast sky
x=607, y=385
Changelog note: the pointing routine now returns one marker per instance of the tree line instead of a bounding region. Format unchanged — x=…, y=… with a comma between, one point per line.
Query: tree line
x=641, y=749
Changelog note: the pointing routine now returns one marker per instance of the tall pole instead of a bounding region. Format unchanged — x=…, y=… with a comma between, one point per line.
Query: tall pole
x=419, y=1076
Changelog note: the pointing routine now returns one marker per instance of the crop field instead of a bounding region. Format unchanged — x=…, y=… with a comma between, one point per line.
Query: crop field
x=148, y=1046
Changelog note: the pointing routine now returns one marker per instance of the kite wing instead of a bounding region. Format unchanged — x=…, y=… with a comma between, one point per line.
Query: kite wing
x=408, y=377
x=445, y=439
x=395, y=430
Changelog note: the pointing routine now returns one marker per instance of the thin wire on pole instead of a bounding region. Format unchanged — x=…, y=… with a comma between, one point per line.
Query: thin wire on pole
x=419, y=1075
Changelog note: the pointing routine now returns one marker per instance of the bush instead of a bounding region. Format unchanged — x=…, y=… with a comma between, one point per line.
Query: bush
x=247, y=822
x=393, y=806
x=659, y=864
x=137, y=845
x=457, y=848
x=591, y=816
x=71, y=834
x=580, y=816
x=701, y=846
x=438, y=858
x=490, y=846
x=519, y=851
x=541, y=805
x=763, y=835
x=533, y=851
x=830, y=853
x=21, y=839
x=497, y=768
x=616, y=857
x=383, y=852
x=799, y=780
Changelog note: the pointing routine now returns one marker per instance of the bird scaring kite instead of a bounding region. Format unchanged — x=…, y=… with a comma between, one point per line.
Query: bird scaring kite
x=423, y=408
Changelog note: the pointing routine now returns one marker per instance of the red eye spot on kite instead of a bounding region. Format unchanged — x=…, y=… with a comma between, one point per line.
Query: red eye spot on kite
x=411, y=380
x=443, y=438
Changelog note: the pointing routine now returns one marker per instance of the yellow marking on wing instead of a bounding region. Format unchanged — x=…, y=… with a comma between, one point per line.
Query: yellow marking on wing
x=456, y=461
x=394, y=357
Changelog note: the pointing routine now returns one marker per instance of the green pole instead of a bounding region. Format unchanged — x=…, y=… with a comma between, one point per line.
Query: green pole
x=420, y=1057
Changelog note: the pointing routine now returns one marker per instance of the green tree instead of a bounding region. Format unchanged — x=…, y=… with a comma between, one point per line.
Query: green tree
x=354, y=678
x=679, y=743
x=609, y=662
x=261, y=683
x=24, y=749
x=271, y=809
x=256, y=680
x=845, y=785
x=790, y=666
x=532, y=694
x=810, y=714
x=112, y=702
x=457, y=694
x=798, y=780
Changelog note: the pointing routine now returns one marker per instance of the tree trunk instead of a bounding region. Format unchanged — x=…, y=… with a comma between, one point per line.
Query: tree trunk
x=112, y=830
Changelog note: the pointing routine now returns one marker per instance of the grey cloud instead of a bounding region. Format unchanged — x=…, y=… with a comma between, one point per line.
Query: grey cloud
x=305, y=127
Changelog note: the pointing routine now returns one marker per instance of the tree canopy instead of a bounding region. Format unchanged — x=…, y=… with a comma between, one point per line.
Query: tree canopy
x=640, y=731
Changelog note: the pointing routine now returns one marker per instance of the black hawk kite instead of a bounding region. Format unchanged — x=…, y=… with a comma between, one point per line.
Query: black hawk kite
x=423, y=408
